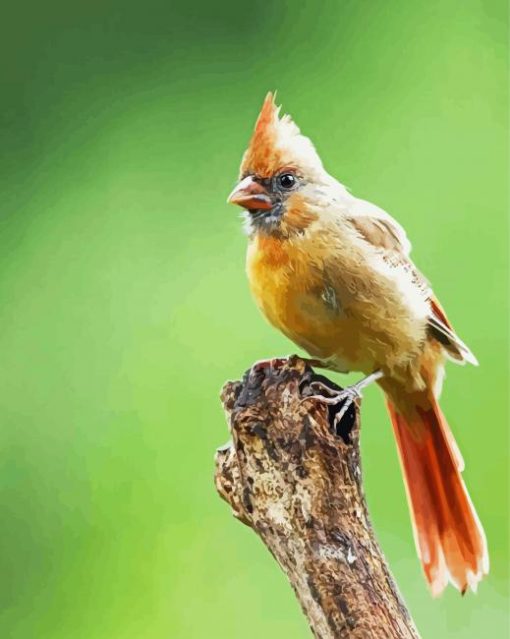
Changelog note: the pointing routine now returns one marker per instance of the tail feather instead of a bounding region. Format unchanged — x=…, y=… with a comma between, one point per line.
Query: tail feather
x=449, y=538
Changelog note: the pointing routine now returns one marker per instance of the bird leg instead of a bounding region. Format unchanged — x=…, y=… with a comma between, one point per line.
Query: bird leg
x=345, y=396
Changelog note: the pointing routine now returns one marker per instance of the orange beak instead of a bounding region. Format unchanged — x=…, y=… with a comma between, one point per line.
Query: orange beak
x=250, y=195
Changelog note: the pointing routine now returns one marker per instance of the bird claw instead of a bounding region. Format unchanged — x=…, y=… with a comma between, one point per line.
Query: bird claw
x=350, y=394
x=350, y=399
x=345, y=396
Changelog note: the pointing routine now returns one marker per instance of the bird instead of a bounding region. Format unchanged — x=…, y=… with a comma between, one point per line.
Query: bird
x=334, y=274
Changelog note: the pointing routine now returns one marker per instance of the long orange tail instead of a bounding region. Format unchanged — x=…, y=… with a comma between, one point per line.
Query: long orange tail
x=449, y=538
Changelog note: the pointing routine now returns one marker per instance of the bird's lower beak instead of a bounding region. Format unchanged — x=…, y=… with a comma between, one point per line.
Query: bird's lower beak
x=250, y=195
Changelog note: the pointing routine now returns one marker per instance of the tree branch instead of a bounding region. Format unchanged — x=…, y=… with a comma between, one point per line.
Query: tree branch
x=297, y=483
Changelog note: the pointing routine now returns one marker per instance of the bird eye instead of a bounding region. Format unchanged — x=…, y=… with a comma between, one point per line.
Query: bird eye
x=287, y=181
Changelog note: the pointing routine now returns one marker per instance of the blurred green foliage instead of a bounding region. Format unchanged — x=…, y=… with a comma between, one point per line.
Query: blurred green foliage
x=124, y=305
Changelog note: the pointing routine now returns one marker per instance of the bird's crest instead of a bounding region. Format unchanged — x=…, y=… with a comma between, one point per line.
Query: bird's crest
x=276, y=142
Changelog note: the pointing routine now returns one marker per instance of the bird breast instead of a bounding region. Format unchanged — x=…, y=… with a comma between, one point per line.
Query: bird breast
x=336, y=301
x=293, y=292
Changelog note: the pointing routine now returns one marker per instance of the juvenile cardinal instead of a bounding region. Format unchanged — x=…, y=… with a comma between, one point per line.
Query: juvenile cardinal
x=333, y=273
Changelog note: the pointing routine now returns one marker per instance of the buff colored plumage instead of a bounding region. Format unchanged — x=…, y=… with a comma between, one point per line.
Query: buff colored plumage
x=333, y=273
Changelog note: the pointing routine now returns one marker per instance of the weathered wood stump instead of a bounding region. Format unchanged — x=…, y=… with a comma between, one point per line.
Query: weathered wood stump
x=298, y=484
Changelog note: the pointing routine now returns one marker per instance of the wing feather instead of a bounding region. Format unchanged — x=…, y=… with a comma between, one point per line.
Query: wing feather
x=379, y=229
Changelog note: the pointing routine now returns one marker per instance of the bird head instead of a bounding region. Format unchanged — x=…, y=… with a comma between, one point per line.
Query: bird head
x=282, y=180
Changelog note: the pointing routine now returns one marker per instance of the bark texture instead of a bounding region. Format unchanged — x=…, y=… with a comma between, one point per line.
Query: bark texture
x=297, y=483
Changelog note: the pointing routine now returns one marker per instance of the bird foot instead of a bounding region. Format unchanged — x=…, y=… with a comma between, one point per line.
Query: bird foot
x=332, y=397
x=344, y=396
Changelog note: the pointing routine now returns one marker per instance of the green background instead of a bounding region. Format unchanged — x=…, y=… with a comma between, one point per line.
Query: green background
x=124, y=305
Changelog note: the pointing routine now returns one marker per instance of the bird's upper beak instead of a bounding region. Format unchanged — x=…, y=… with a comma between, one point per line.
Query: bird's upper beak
x=250, y=195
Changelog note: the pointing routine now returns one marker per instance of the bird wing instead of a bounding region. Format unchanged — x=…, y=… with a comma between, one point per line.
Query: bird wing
x=380, y=230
